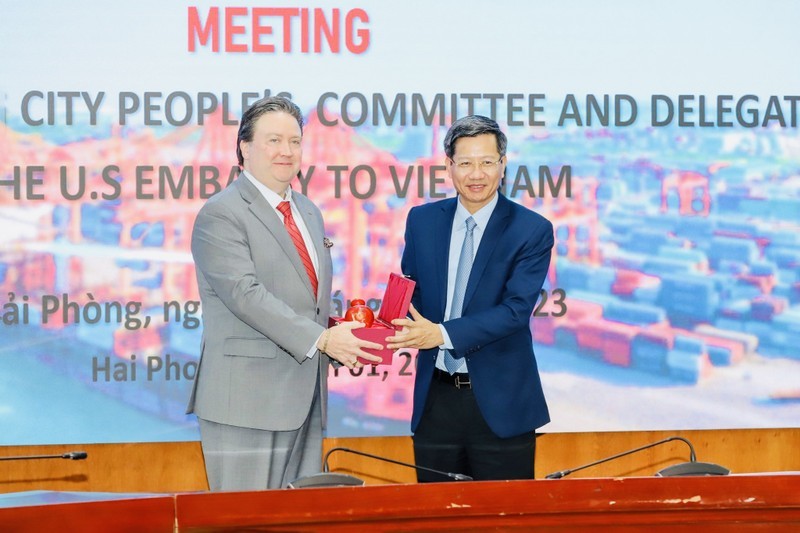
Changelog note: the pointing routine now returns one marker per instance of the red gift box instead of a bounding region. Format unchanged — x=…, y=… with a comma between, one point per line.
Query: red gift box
x=396, y=300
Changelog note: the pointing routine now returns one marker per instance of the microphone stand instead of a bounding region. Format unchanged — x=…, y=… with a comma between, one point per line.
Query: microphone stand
x=75, y=456
x=690, y=468
x=457, y=477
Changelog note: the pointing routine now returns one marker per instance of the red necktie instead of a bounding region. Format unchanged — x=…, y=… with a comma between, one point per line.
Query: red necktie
x=297, y=238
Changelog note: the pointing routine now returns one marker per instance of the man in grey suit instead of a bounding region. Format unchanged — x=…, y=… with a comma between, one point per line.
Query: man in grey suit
x=264, y=273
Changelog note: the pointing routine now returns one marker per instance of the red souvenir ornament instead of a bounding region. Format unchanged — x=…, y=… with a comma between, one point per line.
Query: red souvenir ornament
x=359, y=312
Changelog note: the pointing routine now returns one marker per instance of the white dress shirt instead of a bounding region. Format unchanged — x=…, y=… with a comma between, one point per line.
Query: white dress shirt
x=459, y=231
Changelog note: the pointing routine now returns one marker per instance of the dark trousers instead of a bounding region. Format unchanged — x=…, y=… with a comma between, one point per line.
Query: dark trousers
x=453, y=436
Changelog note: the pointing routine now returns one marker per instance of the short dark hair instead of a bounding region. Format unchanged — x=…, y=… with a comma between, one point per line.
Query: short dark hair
x=269, y=104
x=472, y=126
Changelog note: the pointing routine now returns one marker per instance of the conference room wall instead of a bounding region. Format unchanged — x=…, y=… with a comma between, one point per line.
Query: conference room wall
x=178, y=466
x=660, y=138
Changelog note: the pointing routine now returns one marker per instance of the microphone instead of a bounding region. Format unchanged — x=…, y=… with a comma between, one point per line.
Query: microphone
x=75, y=456
x=456, y=477
x=692, y=468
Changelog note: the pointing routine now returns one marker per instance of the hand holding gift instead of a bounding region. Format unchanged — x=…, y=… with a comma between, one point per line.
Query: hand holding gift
x=395, y=302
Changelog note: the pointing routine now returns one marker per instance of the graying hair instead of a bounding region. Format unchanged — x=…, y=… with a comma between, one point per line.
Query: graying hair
x=472, y=126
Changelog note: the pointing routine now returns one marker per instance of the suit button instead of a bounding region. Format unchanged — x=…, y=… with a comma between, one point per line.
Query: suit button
x=317, y=310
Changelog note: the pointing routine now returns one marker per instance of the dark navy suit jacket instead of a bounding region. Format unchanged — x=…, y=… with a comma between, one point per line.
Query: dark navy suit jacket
x=493, y=333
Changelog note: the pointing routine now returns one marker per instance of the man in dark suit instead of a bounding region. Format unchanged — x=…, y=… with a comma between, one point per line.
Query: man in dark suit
x=264, y=274
x=479, y=262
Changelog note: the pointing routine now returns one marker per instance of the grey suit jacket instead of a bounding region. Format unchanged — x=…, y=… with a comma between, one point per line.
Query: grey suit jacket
x=260, y=316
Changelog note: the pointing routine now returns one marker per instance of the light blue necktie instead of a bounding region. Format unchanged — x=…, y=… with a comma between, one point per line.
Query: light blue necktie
x=462, y=276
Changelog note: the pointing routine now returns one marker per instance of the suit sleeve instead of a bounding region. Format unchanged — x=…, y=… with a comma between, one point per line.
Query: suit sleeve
x=222, y=255
x=521, y=290
x=408, y=260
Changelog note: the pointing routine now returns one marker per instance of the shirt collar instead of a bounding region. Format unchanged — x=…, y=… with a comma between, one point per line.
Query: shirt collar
x=481, y=216
x=269, y=195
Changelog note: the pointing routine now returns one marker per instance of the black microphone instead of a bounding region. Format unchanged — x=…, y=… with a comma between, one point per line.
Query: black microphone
x=75, y=456
x=456, y=477
x=692, y=468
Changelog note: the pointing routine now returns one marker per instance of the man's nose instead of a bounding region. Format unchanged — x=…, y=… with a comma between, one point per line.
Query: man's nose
x=286, y=148
x=475, y=171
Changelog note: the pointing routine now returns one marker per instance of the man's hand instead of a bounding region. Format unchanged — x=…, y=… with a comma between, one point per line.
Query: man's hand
x=418, y=332
x=341, y=344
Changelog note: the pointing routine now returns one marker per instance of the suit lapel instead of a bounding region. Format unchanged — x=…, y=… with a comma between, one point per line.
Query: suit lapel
x=315, y=231
x=310, y=221
x=491, y=236
x=261, y=209
x=443, y=232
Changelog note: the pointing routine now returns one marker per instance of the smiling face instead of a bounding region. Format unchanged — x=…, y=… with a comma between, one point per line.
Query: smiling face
x=476, y=169
x=274, y=155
